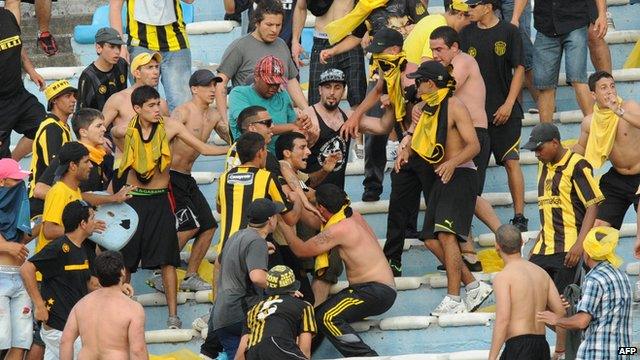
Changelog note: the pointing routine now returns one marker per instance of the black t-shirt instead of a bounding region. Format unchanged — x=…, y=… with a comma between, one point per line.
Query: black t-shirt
x=498, y=51
x=96, y=86
x=10, y=48
x=65, y=274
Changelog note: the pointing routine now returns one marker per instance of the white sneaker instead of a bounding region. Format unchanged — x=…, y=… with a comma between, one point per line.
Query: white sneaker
x=449, y=306
x=477, y=296
x=392, y=150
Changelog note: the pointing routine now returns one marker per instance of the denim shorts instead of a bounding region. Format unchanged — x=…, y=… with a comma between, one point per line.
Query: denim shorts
x=525, y=30
x=51, y=338
x=548, y=54
x=16, y=315
x=175, y=71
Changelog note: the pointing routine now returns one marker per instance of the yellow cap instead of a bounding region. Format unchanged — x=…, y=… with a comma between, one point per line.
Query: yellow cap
x=143, y=59
x=56, y=89
x=460, y=5
x=600, y=244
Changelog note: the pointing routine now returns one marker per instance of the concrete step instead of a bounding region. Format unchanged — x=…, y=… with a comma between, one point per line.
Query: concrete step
x=41, y=60
x=63, y=40
x=58, y=25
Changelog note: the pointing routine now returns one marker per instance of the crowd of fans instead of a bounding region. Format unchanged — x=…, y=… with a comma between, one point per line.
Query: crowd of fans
x=444, y=93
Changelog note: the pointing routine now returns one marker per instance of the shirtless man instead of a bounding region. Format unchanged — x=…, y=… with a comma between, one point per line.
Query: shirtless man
x=109, y=323
x=522, y=289
x=371, y=288
x=453, y=194
x=118, y=110
x=619, y=144
x=192, y=210
x=148, y=135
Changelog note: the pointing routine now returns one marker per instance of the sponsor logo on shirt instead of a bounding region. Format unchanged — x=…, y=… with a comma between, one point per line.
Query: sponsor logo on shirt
x=240, y=178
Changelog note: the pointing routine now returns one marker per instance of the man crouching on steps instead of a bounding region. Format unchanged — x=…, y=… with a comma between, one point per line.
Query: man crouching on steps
x=371, y=288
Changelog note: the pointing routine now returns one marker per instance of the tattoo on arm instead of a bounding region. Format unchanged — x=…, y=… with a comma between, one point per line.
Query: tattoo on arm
x=323, y=238
x=222, y=128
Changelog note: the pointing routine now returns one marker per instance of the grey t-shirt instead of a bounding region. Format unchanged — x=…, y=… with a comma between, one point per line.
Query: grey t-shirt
x=239, y=60
x=243, y=252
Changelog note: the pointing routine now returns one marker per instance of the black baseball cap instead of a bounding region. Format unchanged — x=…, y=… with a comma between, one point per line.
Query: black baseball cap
x=281, y=280
x=203, y=77
x=383, y=39
x=109, y=35
x=432, y=70
x=261, y=210
x=540, y=134
x=332, y=75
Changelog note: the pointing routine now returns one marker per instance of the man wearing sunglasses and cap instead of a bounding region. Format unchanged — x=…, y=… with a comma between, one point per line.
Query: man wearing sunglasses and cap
x=52, y=134
x=445, y=138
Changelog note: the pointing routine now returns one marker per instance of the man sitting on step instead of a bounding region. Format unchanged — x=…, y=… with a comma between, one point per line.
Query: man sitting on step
x=371, y=288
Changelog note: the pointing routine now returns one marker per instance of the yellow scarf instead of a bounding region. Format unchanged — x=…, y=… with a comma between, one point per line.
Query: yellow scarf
x=390, y=67
x=602, y=135
x=96, y=153
x=600, y=244
x=430, y=134
x=322, y=260
x=144, y=157
x=340, y=28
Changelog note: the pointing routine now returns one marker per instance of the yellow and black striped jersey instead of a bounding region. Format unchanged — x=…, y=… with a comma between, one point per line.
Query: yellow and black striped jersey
x=565, y=190
x=51, y=135
x=166, y=37
x=281, y=316
x=238, y=187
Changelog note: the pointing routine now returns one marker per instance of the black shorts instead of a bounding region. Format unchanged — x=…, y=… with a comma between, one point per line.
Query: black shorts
x=350, y=62
x=192, y=209
x=155, y=242
x=526, y=347
x=451, y=205
x=619, y=193
x=275, y=348
x=482, y=159
x=505, y=140
x=561, y=275
x=22, y=113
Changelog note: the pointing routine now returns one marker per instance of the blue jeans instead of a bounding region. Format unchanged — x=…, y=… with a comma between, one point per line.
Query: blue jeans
x=175, y=71
x=16, y=314
x=230, y=336
x=525, y=30
x=548, y=54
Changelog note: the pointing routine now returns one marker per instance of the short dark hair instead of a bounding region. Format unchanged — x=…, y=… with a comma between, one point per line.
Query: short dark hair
x=448, y=34
x=142, y=94
x=108, y=266
x=509, y=238
x=270, y=7
x=70, y=152
x=593, y=78
x=331, y=197
x=285, y=142
x=248, y=145
x=246, y=114
x=74, y=213
x=83, y=118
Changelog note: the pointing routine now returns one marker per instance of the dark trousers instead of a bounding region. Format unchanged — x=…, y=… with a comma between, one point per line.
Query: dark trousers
x=229, y=337
x=404, y=202
x=211, y=346
x=375, y=152
x=349, y=305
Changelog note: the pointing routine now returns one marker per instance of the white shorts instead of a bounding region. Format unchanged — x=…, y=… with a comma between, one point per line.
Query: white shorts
x=51, y=339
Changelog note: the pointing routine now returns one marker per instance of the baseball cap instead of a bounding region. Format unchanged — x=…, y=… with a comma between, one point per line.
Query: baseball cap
x=56, y=89
x=203, y=77
x=281, y=280
x=143, y=59
x=460, y=5
x=332, y=75
x=271, y=70
x=471, y=3
x=10, y=169
x=108, y=35
x=261, y=210
x=432, y=70
x=540, y=134
x=383, y=39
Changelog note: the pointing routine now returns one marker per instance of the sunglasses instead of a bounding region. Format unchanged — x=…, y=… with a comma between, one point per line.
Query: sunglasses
x=266, y=122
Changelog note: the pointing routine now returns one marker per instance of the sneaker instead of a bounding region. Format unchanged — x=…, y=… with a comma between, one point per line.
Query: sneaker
x=359, y=150
x=533, y=111
x=47, y=43
x=473, y=267
x=477, y=296
x=174, y=322
x=396, y=268
x=194, y=283
x=521, y=222
x=155, y=281
x=370, y=195
x=201, y=322
x=610, y=25
x=449, y=306
x=392, y=150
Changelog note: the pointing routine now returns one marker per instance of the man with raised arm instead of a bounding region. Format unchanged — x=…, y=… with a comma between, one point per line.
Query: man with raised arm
x=109, y=324
x=522, y=289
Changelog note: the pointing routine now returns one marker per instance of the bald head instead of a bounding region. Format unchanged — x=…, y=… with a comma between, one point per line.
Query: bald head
x=509, y=239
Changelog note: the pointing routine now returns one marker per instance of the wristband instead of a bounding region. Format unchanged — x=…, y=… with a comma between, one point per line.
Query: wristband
x=620, y=112
x=407, y=133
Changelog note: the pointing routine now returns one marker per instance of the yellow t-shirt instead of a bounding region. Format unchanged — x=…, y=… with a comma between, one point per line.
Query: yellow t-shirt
x=416, y=45
x=57, y=198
